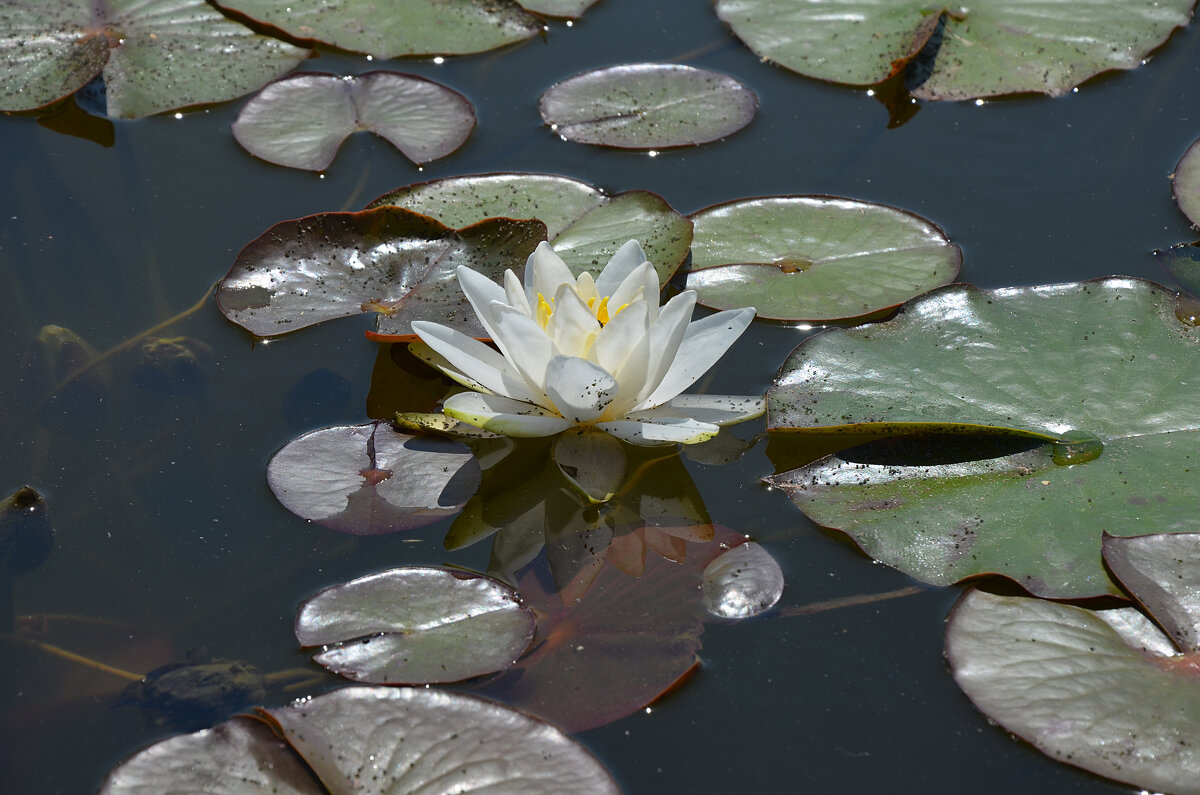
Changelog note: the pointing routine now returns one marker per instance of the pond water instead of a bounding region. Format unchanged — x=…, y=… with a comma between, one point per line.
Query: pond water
x=163, y=517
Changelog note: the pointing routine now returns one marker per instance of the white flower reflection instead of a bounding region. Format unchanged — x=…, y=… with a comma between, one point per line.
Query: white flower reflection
x=588, y=352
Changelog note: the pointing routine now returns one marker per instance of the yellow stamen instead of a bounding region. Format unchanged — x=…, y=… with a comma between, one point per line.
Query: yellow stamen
x=544, y=310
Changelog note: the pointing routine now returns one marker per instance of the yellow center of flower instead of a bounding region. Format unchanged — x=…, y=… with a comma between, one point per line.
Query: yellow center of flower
x=545, y=308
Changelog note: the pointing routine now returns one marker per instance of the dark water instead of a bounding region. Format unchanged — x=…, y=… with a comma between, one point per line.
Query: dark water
x=163, y=516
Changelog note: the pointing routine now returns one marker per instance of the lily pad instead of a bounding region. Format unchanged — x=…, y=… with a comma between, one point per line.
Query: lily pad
x=815, y=258
x=402, y=27
x=1186, y=180
x=369, y=739
x=984, y=49
x=416, y=625
x=302, y=120
x=388, y=260
x=647, y=106
x=1162, y=571
x=1103, y=370
x=370, y=479
x=571, y=9
x=155, y=55
x=1101, y=689
x=743, y=582
x=584, y=224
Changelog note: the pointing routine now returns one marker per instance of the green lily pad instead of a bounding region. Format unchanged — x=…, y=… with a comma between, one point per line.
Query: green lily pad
x=302, y=120
x=982, y=49
x=370, y=479
x=647, y=106
x=416, y=625
x=1103, y=370
x=401, y=27
x=571, y=9
x=1101, y=689
x=388, y=260
x=584, y=224
x=815, y=258
x=155, y=55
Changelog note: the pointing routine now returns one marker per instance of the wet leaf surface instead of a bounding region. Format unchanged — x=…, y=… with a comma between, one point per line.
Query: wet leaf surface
x=1104, y=371
x=403, y=27
x=416, y=625
x=302, y=120
x=956, y=52
x=585, y=225
x=815, y=258
x=155, y=55
x=647, y=106
x=387, y=260
x=1162, y=571
x=743, y=582
x=370, y=479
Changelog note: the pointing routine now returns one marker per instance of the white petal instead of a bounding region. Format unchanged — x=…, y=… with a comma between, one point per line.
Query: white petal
x=544, y=272
x=514, y=293
x=628, y=257
x=665, y=337
x=713, y=409
x=572, y=327
x=580, y=390
x=643, y=283
x=436, y=360
x=523, y=342
x=665, y=431
x=616, y=340
x=704, y=342
x=503, y=415
x=481, y=292
x=475, y=360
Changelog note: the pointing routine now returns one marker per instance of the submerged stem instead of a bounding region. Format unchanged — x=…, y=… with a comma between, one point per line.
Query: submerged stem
x=79, y=659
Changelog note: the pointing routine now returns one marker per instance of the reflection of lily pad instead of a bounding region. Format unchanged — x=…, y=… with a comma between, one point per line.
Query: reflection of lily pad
x=416, y=625
x=301, y=121
x=369, y=739
x=815, y=257
x=585, y=225
x=1101, y=689
x=401, y=27
x=1104, y=369
x=387, y=260
x=647, y=106
x=155, y=54
x=981, y=49
x=370, y=479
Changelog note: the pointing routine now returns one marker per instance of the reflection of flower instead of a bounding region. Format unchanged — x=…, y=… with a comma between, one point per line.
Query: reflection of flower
x=588, y=352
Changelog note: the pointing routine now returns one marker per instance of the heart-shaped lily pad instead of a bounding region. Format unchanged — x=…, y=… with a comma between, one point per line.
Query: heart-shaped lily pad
x=388, y=260
x=155, y=55
x=301, y=121
x=401, y=27
x=585, y=225
x=1101, y=689
x=647, y=106
x=370, y=479
x=1104, y=370
x=416, y=625
x=743, y=582
x=815, y=258
x=369, y=739
x=977, y=50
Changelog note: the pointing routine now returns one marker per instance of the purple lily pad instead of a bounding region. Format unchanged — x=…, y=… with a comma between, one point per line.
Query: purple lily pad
x=416, y=625
x=389, y=260
x=302, y=120
x=370, y=479
x=647, y=106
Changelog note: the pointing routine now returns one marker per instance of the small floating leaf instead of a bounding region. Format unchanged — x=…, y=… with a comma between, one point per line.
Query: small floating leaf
x=370, y=479
x=977, y=50
x=387, y=260
x=647, y=106
x=301, y=121
x=1057, y=363
x=1162, y=571
x=155, y=55
x=743, y=582
x=402, y=27
x=585, y=225
x=416, y=625
x=1100, y=689
x=815, y=258
x=571, y=9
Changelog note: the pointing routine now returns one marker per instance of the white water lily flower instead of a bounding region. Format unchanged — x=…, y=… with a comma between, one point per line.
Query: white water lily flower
x=591, y=352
